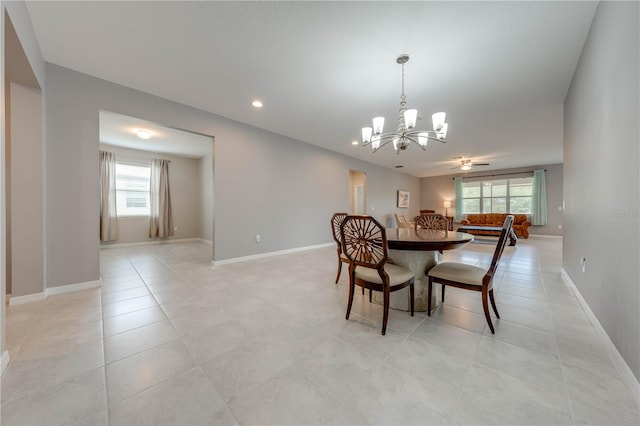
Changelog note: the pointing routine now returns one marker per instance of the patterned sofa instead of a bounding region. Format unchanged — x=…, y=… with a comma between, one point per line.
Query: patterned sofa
x=520, y=223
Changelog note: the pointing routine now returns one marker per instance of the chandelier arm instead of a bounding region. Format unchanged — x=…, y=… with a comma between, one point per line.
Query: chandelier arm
x=414, y=133
x=411, y=139
x=438, y=140
x=381, y=145
x=384, y=139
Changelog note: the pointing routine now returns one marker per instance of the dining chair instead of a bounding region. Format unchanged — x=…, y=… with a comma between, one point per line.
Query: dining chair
x=427, y=211
x=402, y=221
x=364, y=242
x=470, y=277
x=432, y=221
x=336, y=221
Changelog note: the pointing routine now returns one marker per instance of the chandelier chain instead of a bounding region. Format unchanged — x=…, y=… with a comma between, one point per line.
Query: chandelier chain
x=403, y=97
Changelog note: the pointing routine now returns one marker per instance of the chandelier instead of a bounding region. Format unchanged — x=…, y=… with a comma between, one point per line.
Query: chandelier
x=406, y=133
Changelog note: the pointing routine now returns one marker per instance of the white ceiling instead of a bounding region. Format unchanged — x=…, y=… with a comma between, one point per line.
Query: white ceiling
x=501, y=70
x=121, y=130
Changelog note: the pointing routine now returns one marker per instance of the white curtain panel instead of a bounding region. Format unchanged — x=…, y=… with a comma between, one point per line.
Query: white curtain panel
x=161, y=219
x=108, y=217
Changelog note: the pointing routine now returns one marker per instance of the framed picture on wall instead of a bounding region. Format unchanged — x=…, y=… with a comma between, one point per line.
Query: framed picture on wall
x=403, y=199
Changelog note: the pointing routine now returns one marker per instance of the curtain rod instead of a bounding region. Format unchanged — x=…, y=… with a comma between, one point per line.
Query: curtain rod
x=499, y=174
x=142, y=157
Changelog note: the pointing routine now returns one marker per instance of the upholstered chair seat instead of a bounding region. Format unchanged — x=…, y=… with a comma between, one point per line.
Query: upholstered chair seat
x=458, y=272
x=397, y=274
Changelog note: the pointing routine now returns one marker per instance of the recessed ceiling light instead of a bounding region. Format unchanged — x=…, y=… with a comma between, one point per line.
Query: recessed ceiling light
x=143, y=134
x=257, y=104
x=355, y=143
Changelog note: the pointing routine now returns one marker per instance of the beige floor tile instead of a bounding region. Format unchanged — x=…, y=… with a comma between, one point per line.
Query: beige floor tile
x=134, y=374
x=133, y=320
x=129, y=305
x=188, y=398
x=62, y=403
x=132, y=293
x=42, y=368
x=137, y=340
x=266, y=342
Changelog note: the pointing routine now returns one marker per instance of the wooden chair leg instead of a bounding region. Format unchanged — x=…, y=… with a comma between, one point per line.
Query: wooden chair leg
x=493, y=303
x=352, y=289
x=411, y=297
x=385, y=317
x=339, y=270
x=443, y=287
x=429, y=292
x=485, y=307
x=370, y=295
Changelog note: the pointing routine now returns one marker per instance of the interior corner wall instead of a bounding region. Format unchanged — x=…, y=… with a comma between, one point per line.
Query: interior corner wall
x=206, y=197
x=267, y=184
x=3, y=207
x=6, y=208
x=601, y=183
x=27, y=191
x=21, y=22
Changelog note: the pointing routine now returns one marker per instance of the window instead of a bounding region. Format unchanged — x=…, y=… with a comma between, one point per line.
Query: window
x=132, y=190
x=498, y=196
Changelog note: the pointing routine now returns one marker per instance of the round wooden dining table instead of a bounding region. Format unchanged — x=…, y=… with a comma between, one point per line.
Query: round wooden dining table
x=418, y=250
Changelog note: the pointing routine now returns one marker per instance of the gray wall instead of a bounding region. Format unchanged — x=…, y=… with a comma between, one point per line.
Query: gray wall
x=601, y=176
x=206, y=175
x=21, y=22
x=434, y=190
x=186, y=197
x=26, y=202
x=265, y=183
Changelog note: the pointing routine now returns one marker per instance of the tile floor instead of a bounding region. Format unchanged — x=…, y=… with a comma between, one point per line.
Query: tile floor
x=169, y=339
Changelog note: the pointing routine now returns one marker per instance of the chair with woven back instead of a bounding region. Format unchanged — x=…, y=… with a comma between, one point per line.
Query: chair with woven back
x=470, y=277
x=432, y=221
x=336, y=221
x=427, y=211
x=402, y=221
x=364, y=243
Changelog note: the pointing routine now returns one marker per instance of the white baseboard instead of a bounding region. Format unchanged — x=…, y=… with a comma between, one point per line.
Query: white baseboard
x=269, y=254
x=151, y=243
x=5, y=361
x=623, y=368
x=544, y=236
x=73, y=287
x=28, y=298
x=19, y=300
x=202, y=240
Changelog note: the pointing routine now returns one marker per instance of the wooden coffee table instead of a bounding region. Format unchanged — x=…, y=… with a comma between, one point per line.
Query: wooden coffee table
x=513, y=238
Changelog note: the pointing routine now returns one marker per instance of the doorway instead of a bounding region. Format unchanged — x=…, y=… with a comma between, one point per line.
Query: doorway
x=357, y=192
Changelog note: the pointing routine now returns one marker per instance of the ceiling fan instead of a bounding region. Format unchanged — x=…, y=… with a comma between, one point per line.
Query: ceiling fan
x=466, y=164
